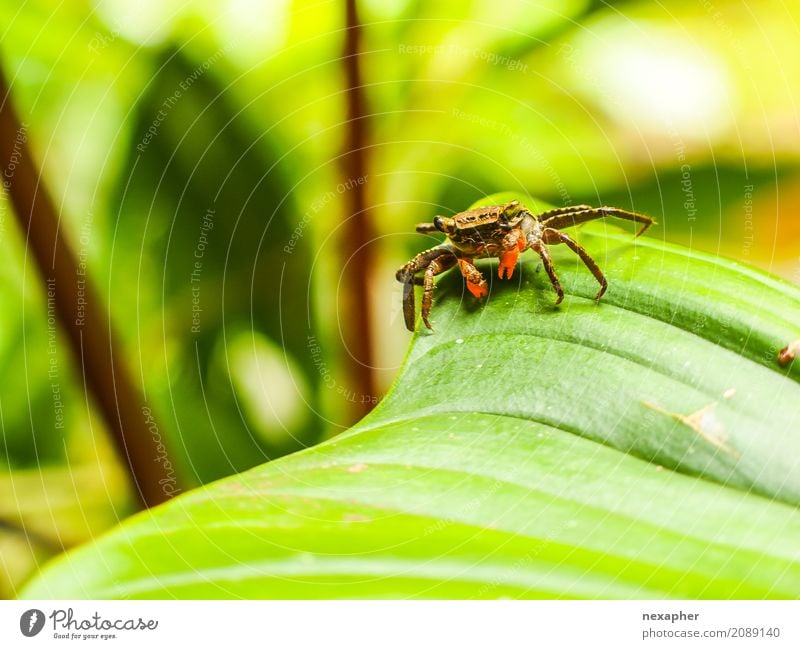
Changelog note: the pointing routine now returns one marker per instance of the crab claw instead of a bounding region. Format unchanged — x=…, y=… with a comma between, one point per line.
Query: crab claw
x=508, y=261
x=475, y=282
x=513, y=244
x=478, y=290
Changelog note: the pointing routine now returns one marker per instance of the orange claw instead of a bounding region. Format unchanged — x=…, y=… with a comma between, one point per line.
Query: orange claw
x=508, y=261
x=475, y=282
x=478, y=290
x=515, y=241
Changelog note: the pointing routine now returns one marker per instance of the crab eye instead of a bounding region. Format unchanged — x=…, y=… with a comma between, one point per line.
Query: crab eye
x=438, y=223
x=504, y=220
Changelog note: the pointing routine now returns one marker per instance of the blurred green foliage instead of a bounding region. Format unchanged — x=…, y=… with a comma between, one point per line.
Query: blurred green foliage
x=687, y=113
x=208, y=199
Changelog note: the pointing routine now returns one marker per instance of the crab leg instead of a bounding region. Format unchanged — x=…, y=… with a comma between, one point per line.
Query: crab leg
x=538, y=246
x=423, y=261
x=554, y=236
x=438, y=265
x=426, y=228
x=560, y=211
x=568, y=216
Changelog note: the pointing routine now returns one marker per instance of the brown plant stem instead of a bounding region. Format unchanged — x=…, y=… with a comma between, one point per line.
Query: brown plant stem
x=81, y=313
x=357, y=231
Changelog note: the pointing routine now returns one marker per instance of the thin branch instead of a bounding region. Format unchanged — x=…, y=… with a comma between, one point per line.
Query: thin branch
x=358, y=235
x=81, y=314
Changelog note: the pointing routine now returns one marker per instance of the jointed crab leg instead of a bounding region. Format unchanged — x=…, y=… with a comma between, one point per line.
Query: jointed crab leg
x=565, y=217
x=541, y=249
x=438, y=265
x=433, y=261
x=554, y=236
x=426, y=228
x=559, y=211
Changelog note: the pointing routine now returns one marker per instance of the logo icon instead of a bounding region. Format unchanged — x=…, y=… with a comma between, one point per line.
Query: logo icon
x=31, y=622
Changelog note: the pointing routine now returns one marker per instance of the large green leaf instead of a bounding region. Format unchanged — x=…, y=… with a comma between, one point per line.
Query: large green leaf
x=645, y=446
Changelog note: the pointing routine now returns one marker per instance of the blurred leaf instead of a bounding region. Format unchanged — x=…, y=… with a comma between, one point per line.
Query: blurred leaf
x=20, y=559
x=641, y=447
x=42, y=413
x=207, y=195
x=735, y=211
x=68, y=504
x=47, y=509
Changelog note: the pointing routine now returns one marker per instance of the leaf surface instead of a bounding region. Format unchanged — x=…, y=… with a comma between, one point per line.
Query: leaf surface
x=645, y=446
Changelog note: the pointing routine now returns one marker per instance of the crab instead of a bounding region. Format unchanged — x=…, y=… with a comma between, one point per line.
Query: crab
x=502, y=231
